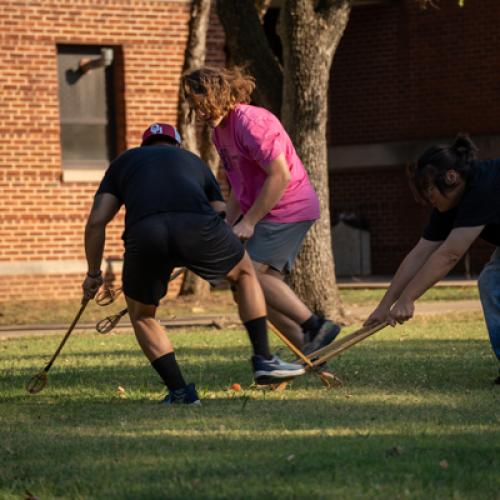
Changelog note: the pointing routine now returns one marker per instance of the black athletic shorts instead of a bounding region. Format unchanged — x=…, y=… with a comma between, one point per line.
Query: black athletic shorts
x=205, y=244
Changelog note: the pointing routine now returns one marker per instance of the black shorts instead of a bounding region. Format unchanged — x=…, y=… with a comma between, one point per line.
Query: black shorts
x=204, y=244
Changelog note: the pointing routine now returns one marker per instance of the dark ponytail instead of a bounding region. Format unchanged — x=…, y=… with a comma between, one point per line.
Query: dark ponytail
x=432, y=166
x=465, y=150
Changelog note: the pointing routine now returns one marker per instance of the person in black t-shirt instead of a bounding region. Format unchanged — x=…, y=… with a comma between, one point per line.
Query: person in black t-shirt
x=172, y=203
x=465, y=196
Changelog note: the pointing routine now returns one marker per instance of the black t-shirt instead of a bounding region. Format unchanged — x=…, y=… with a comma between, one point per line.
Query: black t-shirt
x=479, y=205
x=157, y=179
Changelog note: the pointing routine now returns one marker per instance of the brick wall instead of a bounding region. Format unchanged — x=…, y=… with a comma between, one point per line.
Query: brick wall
x=410, y=75
x=402, y=74
x=41, y=217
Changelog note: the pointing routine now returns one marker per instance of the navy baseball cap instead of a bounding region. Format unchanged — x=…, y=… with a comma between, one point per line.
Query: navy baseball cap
x=159, y=130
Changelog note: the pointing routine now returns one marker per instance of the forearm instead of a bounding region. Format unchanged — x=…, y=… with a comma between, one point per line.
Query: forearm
x=405, y=273
x=436, y=268
x=233, y=209
x=271, y=192
x=407, y=270
x=95, y=237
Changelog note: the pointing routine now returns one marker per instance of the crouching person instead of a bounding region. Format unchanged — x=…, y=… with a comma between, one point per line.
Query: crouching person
x=465, y=196
x=172, y=202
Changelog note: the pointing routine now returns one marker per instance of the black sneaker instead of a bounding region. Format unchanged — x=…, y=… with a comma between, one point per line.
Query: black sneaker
x=271, y=371
x=326, y=335
x=185, y=396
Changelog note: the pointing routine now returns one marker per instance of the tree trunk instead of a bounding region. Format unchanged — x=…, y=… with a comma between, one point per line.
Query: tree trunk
x=247, y=45
x=194, y=58
x=310, y=32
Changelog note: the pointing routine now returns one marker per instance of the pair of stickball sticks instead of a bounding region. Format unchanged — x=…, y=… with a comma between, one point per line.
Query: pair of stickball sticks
x=312, y=362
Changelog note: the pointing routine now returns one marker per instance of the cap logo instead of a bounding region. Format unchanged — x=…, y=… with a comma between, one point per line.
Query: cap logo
x=156, y=129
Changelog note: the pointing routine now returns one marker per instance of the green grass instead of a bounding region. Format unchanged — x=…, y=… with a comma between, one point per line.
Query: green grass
x=417, y=417
x=220, y=302
x=21, y=312
x=366, y=296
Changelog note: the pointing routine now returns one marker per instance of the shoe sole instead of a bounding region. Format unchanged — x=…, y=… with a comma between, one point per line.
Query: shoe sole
x=265, y=378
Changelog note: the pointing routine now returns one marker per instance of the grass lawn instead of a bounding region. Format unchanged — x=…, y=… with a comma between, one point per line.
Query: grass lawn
x=351, y=296
x=417, y=417
x=220, y=302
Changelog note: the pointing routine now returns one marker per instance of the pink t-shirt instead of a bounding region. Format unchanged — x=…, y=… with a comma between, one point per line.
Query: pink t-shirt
x=249, y=140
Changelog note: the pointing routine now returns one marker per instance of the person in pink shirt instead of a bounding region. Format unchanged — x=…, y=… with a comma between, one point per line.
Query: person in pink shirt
x=272, y=203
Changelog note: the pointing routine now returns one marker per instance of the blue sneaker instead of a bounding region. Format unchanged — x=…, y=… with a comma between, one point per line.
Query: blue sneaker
x=326, y=335
x=185, y=396
x=271, y=371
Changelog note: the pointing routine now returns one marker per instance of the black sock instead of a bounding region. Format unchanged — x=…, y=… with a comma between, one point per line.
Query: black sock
x=312, y=325
x=169, y=371
x=257, y=331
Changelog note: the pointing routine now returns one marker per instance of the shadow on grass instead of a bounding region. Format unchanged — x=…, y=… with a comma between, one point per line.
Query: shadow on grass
x=186, y=457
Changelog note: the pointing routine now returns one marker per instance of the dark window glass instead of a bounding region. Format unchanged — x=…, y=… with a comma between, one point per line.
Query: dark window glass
x=87, y=117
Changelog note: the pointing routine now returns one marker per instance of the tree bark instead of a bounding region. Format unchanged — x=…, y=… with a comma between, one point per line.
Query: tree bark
x=247, y=45
x=310, y=33
x=194, y=58
x=262, y=6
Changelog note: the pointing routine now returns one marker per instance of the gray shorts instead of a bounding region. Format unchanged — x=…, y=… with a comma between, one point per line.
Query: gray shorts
x=277, y=244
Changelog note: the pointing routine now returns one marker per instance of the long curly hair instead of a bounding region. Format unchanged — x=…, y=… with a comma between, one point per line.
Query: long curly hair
x=216, y=91
x=431, y=167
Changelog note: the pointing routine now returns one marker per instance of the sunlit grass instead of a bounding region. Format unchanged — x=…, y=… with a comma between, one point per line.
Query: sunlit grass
x=367, y=296
x=219, y=303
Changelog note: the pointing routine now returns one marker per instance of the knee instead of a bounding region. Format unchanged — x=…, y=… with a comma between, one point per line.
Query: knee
x=140, y=315
x=243, y=269
x=141, y=319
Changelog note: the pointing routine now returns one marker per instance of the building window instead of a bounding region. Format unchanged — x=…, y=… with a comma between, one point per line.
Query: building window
x=89, y=102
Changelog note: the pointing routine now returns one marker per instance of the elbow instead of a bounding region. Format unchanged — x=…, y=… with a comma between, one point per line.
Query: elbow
x=94, y=224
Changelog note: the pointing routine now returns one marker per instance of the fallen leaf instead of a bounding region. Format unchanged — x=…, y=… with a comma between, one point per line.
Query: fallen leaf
x=121, y=391
x=443, y=464
x=290, y=457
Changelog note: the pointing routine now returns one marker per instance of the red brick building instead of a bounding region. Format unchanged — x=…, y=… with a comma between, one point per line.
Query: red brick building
x=401, y=79
x=54, y=144
x=404, y=79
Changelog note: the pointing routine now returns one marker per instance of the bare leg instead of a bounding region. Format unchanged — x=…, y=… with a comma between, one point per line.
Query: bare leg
x=290, y=315
x=290, y=328
x=252, y=308
x=251, y=302
x=286, y=326
x=280, y=296
x=148, y=332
